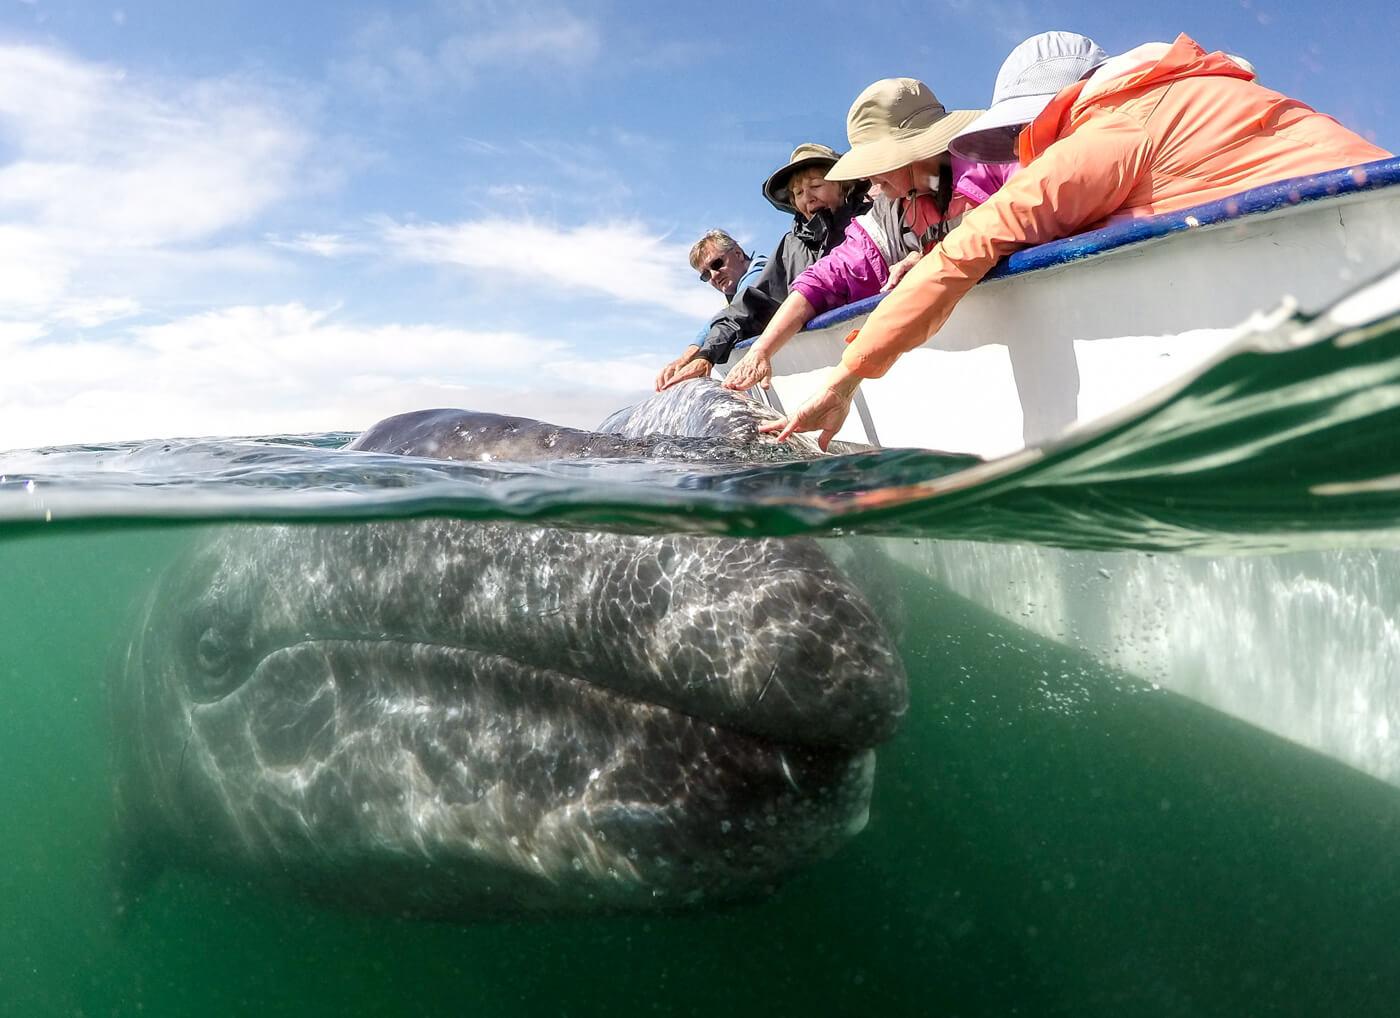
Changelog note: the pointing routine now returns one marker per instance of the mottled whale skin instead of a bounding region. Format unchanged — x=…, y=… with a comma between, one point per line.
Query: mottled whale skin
x=457, y=720
x=700, y=422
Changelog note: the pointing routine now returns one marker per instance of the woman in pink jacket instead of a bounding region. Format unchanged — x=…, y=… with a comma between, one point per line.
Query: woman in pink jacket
x=899, y=134
x=1160, y=128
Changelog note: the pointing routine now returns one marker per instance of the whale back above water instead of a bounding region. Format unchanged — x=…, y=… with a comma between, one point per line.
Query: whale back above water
x=699, y=422
x=458, y=720
x=704, y=409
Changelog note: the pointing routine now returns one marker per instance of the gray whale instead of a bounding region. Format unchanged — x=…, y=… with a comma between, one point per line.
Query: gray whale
x=450, y=719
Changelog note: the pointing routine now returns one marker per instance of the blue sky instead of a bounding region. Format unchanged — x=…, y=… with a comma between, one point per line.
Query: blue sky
x=249, y=218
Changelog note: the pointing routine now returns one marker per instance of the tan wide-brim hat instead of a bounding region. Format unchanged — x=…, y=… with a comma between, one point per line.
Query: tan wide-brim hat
x=895, y=122
x=775, y=188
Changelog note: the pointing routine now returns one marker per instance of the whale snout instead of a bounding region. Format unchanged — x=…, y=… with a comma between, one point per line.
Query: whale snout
x=826, y=670
x=763, y=637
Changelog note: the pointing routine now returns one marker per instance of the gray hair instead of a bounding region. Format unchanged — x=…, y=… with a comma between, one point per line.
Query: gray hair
x=718, y=238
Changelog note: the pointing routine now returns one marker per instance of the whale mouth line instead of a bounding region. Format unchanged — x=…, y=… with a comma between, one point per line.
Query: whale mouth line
x=436, y=651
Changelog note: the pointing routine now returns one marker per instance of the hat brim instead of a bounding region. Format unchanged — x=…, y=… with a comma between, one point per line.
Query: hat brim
x=890, y=154
x=775, y=188
x=986, y=140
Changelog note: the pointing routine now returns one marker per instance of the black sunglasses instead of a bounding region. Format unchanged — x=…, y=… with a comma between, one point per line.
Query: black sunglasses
x=715, y=265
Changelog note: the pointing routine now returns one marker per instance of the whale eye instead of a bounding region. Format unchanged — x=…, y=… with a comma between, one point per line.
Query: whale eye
x=215, y=653
x=212, y=652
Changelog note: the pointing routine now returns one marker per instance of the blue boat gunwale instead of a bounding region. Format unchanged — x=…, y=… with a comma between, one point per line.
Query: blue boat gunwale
x=1294, y=191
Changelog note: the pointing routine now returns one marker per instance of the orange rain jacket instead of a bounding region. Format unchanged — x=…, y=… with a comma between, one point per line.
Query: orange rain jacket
x=1158, y=129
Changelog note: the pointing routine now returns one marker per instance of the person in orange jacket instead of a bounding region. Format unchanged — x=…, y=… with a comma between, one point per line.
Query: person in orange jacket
x=1160, y=128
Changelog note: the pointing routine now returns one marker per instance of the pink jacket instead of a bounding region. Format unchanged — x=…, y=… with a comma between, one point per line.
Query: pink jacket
x=859, y=267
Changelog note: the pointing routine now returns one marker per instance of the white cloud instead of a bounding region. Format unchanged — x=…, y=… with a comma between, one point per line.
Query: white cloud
x=481, y=146
x=14, y=334
x=132, y=163
x=622, y=260
x=547, y=174
x=283, y=369
x=520, y=193
x=327, y=245
x=551, y=36
x=90, y=313
x=404, y=56
x=34, y=268
x=106, y=165
x=615, y=374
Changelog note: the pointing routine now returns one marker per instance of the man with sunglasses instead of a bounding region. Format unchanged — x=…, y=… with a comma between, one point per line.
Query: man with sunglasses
x=723, y=264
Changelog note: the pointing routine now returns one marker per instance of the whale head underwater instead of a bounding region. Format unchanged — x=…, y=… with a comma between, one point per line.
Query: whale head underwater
x=452, y=719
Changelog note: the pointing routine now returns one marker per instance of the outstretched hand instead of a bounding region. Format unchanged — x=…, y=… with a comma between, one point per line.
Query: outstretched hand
x=753, y=369
x=900, y=269
x=673, y=374
x=824, y=412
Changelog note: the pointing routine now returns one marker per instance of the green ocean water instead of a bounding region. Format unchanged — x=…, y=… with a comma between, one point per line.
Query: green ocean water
x=1048, y=836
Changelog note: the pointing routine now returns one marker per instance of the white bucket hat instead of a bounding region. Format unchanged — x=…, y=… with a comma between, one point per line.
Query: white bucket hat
x=1031, y=76
x=895, y=122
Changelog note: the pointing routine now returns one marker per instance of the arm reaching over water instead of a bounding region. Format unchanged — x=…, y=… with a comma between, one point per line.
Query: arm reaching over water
x=756, y=367
x=825, y=412
x=851, y=271
x=699, y=367
x=667, y=376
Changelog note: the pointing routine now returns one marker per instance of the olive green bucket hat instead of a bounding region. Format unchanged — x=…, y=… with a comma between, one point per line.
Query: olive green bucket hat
x=895, y=122
x=775, y=188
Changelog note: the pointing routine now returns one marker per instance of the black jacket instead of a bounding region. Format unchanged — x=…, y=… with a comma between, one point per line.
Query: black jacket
x=753, y=307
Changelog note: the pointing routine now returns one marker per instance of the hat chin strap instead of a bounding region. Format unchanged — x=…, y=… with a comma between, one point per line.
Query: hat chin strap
x=927, y=213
